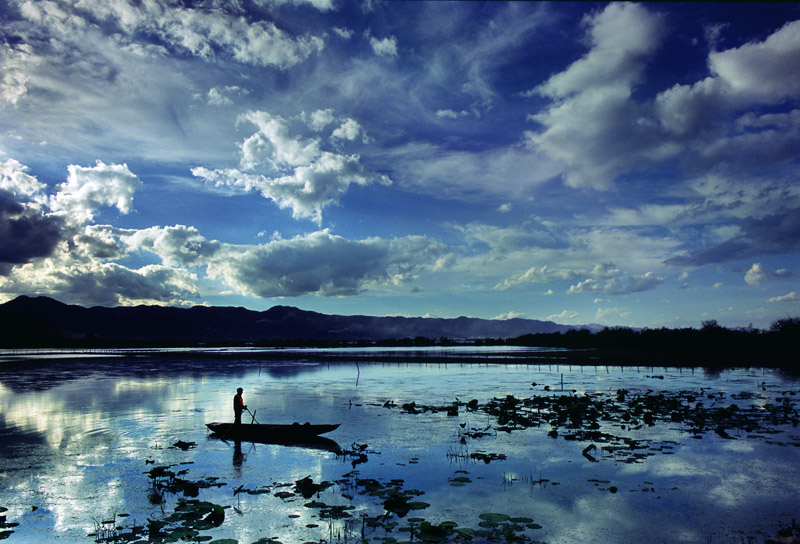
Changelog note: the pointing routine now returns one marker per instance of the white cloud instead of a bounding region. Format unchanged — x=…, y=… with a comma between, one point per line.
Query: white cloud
x=603, y=314
x=620, y=36
x=14, y=177
x=343, y=32
x=788, y=297
x=757, y=274
x=618, y=286
x=15, y=62
x=176, y=246
x=587, y=285
x=274, y=144
x=762, y=71
x=294, y=172
x=387, y=47
x=542, y=274
x=592, y=127
x=321, y=118
x=566, y=315
x=348, y=130
x=89, y=188
x=223, y=96
x=79, y=272
x=203, y=33
x=322, y=5
x=597, y=130
x=509, y=315
x=451, y=114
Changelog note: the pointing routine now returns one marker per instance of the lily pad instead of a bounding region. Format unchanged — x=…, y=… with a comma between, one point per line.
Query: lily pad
x=497, y=518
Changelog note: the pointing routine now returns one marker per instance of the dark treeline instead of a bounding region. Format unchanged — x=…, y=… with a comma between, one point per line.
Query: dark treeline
x=783, y=334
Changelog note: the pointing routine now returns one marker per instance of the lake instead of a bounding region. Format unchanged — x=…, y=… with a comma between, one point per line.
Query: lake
x=103, y=447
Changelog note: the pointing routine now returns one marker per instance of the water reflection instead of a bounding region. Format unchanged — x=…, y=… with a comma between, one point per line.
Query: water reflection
x=77, y=439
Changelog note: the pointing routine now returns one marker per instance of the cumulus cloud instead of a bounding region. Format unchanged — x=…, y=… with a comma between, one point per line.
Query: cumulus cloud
x=593, y=127
x=509, y=315
x=598, y=130
x=293, y=171
x=79, y=270
x=319, y=263
x=758, y=274
x=566, y=315
x=451, y=114
x=14, y=177
x=542, y=274
x=223, y=96
x=387, y=47
x=49, y=245
x=179, y=245
x=89, y=188
x=321, y=119
x=349, y=130
x=92, y=282
x=322, y=264
x=618, y=286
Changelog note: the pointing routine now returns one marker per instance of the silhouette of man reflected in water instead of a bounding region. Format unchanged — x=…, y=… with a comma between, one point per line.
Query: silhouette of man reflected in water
x=238, y=456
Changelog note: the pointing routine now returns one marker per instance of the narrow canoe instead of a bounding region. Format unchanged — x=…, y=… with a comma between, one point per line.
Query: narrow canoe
x=262, y=432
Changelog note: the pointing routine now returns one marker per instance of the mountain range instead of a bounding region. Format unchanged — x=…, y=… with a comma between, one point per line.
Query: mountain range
x=35, y=321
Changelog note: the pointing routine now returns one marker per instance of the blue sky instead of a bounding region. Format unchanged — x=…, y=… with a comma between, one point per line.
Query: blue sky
x=612, y=163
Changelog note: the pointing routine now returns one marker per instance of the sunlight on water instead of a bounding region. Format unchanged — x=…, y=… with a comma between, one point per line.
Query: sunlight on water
x=80, y=437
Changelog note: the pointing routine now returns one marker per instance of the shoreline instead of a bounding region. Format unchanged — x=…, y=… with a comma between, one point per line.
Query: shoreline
x=625, y=357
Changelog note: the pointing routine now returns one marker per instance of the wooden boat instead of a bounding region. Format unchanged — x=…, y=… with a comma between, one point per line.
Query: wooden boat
x=269, y=432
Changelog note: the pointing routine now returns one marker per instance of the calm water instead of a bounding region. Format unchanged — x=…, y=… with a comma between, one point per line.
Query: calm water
x=77, y=438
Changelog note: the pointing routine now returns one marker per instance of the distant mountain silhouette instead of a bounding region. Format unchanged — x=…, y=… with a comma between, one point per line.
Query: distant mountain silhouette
x=36, y=321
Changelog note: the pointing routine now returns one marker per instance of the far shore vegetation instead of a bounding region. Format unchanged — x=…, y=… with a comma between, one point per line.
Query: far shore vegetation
x=709, y=345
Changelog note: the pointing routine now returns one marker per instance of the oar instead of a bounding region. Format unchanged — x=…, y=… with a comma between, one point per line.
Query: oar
x=253, y=415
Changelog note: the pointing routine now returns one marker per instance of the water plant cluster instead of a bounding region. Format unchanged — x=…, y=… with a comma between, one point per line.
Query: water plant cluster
x=582, y=417
x=592, y=416
x=6, y=527
x=382, y=515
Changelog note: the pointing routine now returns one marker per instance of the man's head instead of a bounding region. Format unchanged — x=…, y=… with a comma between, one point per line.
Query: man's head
x=239, y=390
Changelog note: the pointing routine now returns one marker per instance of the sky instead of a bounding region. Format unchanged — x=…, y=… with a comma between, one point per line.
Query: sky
x=619, y=164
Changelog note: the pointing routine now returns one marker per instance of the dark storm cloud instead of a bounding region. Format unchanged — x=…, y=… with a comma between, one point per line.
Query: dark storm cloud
x=25, y=234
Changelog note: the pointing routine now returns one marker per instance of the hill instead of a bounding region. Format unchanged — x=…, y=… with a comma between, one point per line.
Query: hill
x=42, y=321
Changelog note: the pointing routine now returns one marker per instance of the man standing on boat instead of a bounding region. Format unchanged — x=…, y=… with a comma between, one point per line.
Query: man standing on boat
x=238, y=407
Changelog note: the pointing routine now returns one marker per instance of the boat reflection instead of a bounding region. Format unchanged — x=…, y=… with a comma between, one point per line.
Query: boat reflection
x=311, y=443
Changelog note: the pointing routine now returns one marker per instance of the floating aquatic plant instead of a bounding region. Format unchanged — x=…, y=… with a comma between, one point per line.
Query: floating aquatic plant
x=5, y=526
